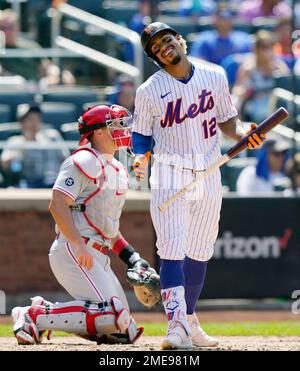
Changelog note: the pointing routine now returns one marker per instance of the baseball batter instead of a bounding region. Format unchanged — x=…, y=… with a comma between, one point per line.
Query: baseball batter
x=86, y=204
x=179, y=108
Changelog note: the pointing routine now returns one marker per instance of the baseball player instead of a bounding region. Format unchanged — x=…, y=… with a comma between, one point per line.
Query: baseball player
x=179, y=109
x=86, y=204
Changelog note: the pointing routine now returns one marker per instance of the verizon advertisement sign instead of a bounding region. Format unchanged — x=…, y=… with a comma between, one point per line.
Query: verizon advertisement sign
x=229, y=246
x=257, y=253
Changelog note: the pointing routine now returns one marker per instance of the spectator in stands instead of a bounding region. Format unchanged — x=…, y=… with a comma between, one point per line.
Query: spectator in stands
x=215, y=45
x=125, y=92
x=35, y=167
x=283, y=45
x=29, y=68
x=196, y=8
x=148, y=10
x=10, y=30
x=256, y=78
x=50, y=75
x=293, y=172
x=250, y=9
x=269, y=173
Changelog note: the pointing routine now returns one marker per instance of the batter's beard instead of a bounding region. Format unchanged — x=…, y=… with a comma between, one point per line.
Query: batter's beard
x=176, y=60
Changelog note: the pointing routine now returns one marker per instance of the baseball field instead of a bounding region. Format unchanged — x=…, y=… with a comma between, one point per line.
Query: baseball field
x=235, y=330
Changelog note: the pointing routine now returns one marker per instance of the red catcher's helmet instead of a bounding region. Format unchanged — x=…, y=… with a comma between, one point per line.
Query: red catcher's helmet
x=115, y=117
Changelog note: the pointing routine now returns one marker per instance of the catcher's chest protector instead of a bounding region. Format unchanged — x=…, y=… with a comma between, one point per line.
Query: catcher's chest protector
x=109, y=184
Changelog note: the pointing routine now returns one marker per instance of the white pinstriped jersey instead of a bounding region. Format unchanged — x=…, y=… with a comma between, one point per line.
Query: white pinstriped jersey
x=181, y=116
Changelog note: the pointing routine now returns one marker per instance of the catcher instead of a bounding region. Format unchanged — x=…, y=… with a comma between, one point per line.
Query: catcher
x=86, y=204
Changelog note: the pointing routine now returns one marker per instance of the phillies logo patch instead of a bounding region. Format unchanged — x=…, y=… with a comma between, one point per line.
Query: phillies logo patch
x=69, y=182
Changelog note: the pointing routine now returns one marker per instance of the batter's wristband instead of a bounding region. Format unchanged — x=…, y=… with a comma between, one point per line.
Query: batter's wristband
x=119, y=245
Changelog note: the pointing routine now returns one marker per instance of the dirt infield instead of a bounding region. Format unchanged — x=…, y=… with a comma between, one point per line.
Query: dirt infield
x=147, y=343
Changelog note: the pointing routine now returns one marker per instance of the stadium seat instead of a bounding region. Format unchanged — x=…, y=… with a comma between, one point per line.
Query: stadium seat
x=55, y=113
x=70, y=131
x=240, y=25
x=91, y=104
x=168, y=7
x=283, y=98
x=91, y=6
x=76, y=95
x=120, y=15
x=4, y=113
x=297, y=111
x=9, y=129
x=14, y=82
x=286, y=82
x=264, y=23
x=15, y=97
x=183, y=25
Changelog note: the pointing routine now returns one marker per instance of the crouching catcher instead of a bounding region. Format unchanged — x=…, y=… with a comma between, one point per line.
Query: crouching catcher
x=86, y=204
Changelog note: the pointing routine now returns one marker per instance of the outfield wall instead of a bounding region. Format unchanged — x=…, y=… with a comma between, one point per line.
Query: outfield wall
x=257, y=253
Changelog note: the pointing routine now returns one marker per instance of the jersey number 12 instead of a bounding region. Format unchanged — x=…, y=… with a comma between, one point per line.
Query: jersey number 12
x=209, y=128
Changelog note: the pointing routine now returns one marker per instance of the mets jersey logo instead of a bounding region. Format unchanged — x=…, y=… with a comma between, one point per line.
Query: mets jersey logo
x=173, y=111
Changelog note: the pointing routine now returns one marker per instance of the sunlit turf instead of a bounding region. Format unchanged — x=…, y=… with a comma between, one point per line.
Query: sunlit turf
x=291, y=328
x=236, y=329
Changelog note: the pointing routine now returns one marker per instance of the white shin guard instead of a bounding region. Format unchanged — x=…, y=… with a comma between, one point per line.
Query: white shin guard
x=82, y=318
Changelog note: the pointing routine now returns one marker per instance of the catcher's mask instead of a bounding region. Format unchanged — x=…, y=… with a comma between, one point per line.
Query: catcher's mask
x=116, y=118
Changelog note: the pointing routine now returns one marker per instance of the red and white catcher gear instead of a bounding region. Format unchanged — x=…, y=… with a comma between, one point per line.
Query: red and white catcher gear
x=103, y=207
x=83, y=318
x=117, y=118
x=24, y=329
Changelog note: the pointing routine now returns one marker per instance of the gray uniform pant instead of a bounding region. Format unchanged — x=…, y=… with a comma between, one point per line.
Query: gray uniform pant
x=97, y=284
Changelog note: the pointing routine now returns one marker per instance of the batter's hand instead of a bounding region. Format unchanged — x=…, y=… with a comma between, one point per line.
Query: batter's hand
x=255, y=141
x=84, y=258
x=140, y=165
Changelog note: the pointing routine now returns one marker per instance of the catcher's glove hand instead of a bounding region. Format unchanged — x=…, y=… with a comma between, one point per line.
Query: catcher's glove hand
x=145, y=282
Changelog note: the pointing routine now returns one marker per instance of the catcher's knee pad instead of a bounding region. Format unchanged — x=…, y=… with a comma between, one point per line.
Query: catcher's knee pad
x=81, y=317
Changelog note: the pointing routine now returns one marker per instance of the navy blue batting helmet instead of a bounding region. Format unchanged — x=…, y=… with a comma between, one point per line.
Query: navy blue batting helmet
x=152, y=30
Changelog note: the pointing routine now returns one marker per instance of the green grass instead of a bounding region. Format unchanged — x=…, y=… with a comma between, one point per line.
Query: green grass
x=291, y=328
x=236, y=329
x=6, y=331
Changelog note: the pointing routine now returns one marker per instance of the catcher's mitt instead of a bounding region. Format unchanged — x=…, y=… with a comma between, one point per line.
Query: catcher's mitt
x=145, y=282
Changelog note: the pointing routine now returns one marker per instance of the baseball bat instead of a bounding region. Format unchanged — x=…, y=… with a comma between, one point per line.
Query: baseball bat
x=268, y=124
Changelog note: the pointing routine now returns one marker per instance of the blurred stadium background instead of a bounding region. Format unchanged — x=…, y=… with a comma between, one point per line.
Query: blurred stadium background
x=67, y=55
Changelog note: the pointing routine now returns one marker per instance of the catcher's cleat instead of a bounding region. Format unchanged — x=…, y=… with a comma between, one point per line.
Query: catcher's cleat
x=199, y=336
x=177, y=337
x=130, y=336
x=24, y=329
x=120, y=338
